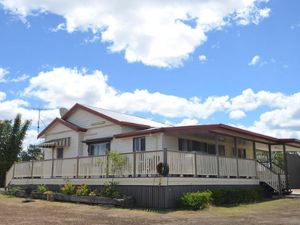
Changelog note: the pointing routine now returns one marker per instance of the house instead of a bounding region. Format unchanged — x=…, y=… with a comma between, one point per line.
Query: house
x=198, y=157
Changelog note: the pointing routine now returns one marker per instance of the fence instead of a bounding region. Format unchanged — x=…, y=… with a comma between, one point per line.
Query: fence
x=137, y=164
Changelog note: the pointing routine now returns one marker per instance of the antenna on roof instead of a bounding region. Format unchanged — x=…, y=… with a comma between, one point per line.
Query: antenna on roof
x=39, y=116
x=62, y=111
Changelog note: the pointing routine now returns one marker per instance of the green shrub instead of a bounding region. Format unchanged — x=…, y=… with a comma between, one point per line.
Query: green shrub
x=12, y=191
x=42, y=188
x=109, y=190
x=195, y=200
x=93, y=193
x=68, y=189
x=82, y=190
x=236, y=196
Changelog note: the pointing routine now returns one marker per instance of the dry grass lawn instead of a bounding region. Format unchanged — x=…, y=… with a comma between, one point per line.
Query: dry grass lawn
x=13, y=211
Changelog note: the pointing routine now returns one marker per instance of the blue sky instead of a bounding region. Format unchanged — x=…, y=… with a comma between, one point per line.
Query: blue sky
x=151, y=67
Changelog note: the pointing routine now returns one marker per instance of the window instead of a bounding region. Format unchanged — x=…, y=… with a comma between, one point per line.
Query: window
x=211, y=149
x=139, y=144
x=98, y=148
x=241, y=153
x=189, y=145
x=221, y=150
x=60, y=153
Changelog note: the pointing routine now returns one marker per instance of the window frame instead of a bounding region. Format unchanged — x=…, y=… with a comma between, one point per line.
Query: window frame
x=139, y=144
x=60, y=153
x=91, y=148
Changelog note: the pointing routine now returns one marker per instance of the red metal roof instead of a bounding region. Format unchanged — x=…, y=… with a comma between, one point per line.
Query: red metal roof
x=66, y=123
x=209, y=127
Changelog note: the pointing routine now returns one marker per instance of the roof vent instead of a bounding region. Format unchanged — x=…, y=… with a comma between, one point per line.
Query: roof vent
x=62, y=111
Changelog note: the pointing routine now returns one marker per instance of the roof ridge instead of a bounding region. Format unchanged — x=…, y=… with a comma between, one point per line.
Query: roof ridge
x=126, y=114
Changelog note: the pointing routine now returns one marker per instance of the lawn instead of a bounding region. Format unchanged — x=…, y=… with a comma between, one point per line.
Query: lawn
x=13, y=211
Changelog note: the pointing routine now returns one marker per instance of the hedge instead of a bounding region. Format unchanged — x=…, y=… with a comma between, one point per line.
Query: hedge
x=195, y=200
x=219, y=197
x=236, y=196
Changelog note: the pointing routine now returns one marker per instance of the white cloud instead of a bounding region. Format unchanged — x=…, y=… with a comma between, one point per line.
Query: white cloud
x=2, y=96
x=188, y=121
x=10, y=108
x=254, y=61
x=59, y=27
x=237, y=114
x=3, y=72
x=64, y=86
x=20, y=78
x=156, y=33
x=30, y=138
x=202, y=58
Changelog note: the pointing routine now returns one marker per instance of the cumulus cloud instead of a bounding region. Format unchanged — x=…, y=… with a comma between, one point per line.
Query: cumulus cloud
x=3, y=76
x=254, y=61
x=237, y=114
x=188, y=121
x=3, y=72
x=20, y=78
x=65, y=86
x=2, y=96
x=154, y=32
x=202, y=58
x=10, y=108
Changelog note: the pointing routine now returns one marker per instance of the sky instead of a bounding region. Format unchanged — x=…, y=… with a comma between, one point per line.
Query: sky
x=177, y=62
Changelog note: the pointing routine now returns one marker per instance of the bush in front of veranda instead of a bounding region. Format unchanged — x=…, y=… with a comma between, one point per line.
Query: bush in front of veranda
x=220, y=197
x=223, y=197
x=195, y=200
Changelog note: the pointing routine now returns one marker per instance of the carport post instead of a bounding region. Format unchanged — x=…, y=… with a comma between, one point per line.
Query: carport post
x=217, y=153
x=285, y=167
x=52, y=168
x=254, y=156
x=236, y=156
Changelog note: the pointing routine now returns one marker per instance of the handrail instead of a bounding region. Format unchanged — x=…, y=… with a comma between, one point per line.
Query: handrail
x=270, y=177
x=141, y=163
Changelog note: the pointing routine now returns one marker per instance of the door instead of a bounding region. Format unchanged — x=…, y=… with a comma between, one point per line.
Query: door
x=293, y=162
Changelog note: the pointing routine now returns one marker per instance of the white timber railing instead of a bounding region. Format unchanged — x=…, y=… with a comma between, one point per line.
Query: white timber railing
x=137, y=164
x=274, y=180
x=146, y=162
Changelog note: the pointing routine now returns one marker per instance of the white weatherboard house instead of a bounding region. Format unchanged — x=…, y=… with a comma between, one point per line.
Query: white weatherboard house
x=199, y=157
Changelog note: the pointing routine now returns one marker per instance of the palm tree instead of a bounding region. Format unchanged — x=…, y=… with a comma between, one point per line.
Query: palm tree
x=12, y=134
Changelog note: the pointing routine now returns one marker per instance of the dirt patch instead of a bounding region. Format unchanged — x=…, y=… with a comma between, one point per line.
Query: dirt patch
x=13, y=211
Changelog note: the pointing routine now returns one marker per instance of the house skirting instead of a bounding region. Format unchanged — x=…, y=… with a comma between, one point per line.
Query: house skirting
x=148, y=192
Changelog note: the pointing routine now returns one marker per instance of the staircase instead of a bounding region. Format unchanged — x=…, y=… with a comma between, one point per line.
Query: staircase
x=274, y=178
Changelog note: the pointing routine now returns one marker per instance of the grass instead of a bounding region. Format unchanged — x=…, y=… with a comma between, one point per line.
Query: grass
x=236, y=209
x=13, y=210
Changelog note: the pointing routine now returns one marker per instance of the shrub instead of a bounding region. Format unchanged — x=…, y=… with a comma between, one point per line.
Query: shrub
x=68, y=189
x=12, y=191
x=93, y=193
x=82, y=190
x=195, y=200
x=109, y=190
x=42, y=188
x=236, y=196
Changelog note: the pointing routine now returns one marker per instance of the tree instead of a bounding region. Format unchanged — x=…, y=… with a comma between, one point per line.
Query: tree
x=33, y=153
x=12, y=134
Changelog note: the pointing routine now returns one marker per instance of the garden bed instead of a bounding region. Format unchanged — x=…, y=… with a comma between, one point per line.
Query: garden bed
x=126, y=201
